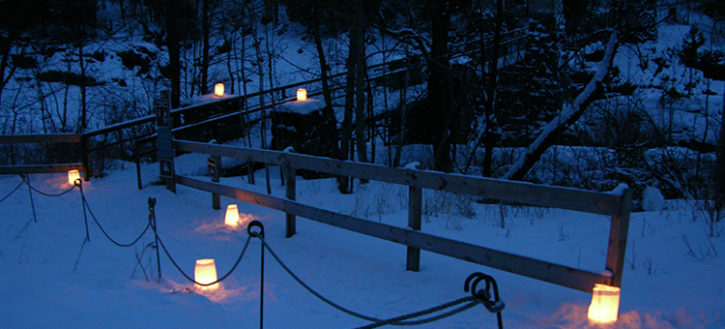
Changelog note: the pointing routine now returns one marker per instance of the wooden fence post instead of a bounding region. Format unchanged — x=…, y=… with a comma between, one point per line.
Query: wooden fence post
x=85, y=158
x=214, y=164
x=290, y=193
x=164, y=140
x=618, y=239
x=415, y=206
x=250, y=170
x=137, y=161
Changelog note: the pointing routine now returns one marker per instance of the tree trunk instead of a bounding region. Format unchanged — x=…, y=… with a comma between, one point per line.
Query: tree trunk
x=720, y=168
x=172, y=42
x=326, y=93
x=349, y=107
x=203, y=84
x=357, y=36
x=489, y=139
x=4, y=63
x=330, y=124
x=81, y=62
x=439, y=112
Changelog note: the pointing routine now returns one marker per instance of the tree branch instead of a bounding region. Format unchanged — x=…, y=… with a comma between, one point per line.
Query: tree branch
x=570, y=113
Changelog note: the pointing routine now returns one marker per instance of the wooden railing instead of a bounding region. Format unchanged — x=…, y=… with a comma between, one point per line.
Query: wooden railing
x=45, y=167
x=617, y=205
x=124, y=137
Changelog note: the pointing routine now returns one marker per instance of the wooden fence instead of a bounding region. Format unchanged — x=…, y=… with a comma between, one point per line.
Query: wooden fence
x=46, y=167
x=615, y=205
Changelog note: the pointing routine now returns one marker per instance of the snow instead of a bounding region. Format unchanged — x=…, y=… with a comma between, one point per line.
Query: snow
x=652, y=199
x=673, y=275
x=302, y=107
x=412, y=165
x=207, y=98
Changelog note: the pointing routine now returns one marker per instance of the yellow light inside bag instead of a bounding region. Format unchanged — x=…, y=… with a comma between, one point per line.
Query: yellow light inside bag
x=301, y=94
x=205, y=272
x=605, y=304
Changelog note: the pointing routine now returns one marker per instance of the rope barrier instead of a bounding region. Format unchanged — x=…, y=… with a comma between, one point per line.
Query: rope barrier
x=490, y=301
x=105, y=233
x=222, y=278
x=476, y=297
x=52, y=195
x=312, y=291
x=13, y=191
x=399, y=320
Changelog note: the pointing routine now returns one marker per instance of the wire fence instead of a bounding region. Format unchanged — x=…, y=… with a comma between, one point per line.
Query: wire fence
x=255, y=230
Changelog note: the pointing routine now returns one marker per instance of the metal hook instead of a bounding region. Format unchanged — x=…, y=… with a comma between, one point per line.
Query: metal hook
x=255, y=223
x=78, y=182
x=494, y=305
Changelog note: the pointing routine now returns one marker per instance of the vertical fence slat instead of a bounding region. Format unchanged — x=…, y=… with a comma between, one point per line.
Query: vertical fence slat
x=618, y=239
x=291, y=194
x=137, y=161
x=215, y=167
x=85, y=158
x=415, y=204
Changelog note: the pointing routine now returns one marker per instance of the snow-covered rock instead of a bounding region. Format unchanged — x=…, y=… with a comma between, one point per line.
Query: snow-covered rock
x=652, y=199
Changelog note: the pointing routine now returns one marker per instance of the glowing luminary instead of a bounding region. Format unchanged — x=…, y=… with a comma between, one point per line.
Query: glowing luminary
x=605, y=304
x=219, y=89
x=232, y=216
x=72, y=176
x=205, y=272
x=301, y=94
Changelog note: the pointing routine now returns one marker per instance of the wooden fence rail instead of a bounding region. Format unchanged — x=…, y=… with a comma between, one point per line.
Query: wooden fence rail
x=615, y=204
x=44, y=168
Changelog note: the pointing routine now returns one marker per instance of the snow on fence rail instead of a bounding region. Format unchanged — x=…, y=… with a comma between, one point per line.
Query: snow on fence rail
x=47, y=167
x=615, y=204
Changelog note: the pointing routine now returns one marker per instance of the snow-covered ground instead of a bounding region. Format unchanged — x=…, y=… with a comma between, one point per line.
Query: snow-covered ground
x=666, y=283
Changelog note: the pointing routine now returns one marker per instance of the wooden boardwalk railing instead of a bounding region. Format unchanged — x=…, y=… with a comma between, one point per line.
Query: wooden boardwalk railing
x=124, y=137
x=617, y=205
x=46, y=167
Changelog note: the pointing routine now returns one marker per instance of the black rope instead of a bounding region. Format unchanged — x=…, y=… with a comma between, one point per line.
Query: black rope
x=52, y=195
x=13, y=191
x=105, y=233
x=222, y=278
x=492, y=302
x=312, y=291
x=397, y=321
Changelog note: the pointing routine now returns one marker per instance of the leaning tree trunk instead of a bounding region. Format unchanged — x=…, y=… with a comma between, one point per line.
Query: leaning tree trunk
x=570, y=113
